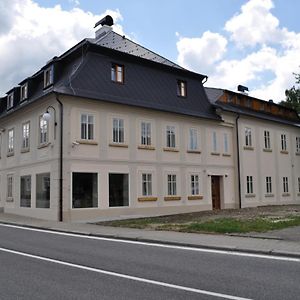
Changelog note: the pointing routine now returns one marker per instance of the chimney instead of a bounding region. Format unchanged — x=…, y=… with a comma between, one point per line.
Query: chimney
x=106, y=23
x=243, y=89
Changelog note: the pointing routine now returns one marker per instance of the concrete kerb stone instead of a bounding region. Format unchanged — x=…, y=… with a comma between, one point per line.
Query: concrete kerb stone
x=228, y=248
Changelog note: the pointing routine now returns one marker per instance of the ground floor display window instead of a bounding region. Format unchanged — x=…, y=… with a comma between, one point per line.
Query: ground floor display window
x=25, y=200
x=43, y=190
x=118, y=190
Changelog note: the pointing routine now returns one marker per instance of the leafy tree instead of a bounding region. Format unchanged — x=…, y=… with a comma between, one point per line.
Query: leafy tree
x=293, y=96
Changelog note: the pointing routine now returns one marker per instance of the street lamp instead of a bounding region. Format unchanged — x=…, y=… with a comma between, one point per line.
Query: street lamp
x=47, y=116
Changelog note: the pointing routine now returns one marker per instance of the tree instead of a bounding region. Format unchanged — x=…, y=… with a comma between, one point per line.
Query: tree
x=293, y=96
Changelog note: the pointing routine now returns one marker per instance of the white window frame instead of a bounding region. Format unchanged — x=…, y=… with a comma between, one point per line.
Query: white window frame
x=48, y=76
x=24, y=91
x=10, y=100
x=267, y=140
x=248, y=137
x=268, y=185
x=26, y=135
x=118, y=130
x=146, y=133
x=193, y=139
x=171, y=136
x=171, y=184
x=147, y=185
x=87, y=126
x=285, y=182
x=226, y=145
x=181, y=88
x=195, y=184
x=283, y=142
x=249, y=184
x=43, y=131
x=117, y=73
x=11, y=142
x=298, y=144
x=10, y=186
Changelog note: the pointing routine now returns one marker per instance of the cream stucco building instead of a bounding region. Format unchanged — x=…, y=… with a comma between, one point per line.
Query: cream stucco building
x=110, y=128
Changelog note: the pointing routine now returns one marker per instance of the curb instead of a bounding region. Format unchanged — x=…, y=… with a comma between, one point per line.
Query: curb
x=232, y=249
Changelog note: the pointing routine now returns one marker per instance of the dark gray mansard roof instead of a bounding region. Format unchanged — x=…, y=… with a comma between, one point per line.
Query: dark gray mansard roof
x=150, y=80
x=214, y=95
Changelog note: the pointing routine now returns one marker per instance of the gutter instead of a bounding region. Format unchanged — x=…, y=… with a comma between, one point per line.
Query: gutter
x=238, y=159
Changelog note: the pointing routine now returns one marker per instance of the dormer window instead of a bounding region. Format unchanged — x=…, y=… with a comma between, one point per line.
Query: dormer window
x=24, y=91
x=10, y=100
x=48, y=77
x=117, y=73
x=181, y=88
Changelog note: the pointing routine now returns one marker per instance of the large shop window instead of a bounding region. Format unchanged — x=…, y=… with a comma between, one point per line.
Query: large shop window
x=25, y=200
x=118, y=190
x=85, y=190
x=43, y=190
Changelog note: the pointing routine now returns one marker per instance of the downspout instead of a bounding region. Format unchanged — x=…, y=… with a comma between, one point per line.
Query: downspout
x=61, y=109
x=238, y=159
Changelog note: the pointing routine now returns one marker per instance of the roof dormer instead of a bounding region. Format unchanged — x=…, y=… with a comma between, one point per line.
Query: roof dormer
x=48, y=76
x=24, y=91
x=10, y=100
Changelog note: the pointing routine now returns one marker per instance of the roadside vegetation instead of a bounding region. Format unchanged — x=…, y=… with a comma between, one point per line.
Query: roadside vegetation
x=245, y=220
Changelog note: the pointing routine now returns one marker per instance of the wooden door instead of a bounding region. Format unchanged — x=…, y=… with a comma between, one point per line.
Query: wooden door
x=215, y=192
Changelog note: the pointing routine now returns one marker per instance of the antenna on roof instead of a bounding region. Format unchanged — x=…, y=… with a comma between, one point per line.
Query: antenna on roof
x=107, y=20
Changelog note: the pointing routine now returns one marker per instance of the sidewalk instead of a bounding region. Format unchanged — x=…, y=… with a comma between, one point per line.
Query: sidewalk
x=262, y=244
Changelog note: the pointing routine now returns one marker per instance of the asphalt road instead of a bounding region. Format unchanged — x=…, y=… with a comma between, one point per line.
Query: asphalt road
x=43, y=265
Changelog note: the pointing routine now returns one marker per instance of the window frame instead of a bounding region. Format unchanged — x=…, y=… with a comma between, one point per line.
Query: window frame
x=43, y=135
x=171, y=184
x=118, y=131
x=87, y=129
x=249, y=185
x=214, y=142
x=10, y=187
x=146, y=133
x=24, y=91
x=195, y=184
x=48, y=77
x=193, y=139
x=267, y=140
x=171, y=136
x=298, y=144
x=226, y=144
x=26, y=188
x=25, y=138
x=181, y=88
x=116, y=75
x=10, y=100
x=147, y=184
x=285, y=182
x=11, y=141
x=248, y=137
x=268, y=185
x=283, y=143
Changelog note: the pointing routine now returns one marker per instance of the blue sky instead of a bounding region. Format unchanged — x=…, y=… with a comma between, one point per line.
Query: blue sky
x=254, y=43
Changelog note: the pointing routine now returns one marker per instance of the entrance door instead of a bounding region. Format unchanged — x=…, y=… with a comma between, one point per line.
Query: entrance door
x=118, y=190
x=215, y=192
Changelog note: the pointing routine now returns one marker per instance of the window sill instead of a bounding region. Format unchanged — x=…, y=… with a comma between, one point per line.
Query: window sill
x=195, y=197
x=284, y=152
x=25, y=150
x=169, y=149
x=43, y=145
x=248, y=148
x=226, y=154
x=194, y=151
x=146, y=199
x=250, y=196
x=10, y=200
x=215, y=153
x=267, y=150
x=286, y=194
x=146, y=147
x=172, y=198
x=118, y=145
x=269, y=195
x=87, y=142
x=10, y=154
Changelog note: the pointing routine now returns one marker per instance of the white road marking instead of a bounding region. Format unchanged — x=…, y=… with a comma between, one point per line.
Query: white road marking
x=115, y=274
x=116, y=240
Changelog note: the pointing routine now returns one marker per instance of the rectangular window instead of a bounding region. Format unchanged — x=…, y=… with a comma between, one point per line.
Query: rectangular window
x=283, y=142
x=118, y=131
x=87, y=127
x=25, y=135
x=10, y=100
x=117, y=73
x=298, y=184
x=297, y=144
x=48, y=77
x=226, y=149
x=181, y=88
x=10, y=184
x=145, y=133
x=85, y=190
x=24, y=91
x=118, y=190
x=147, y=184
x=171, y=142
x=214, y=141
x=43, y=190
x=43, y=128
x=249, y=184
x=172, y=185
x=193, y=144
x=195, y=185
x=269, y=185
x=248, y=137
x=25, y=200
x=285, y=185
x=11, y=141
x=267, y=143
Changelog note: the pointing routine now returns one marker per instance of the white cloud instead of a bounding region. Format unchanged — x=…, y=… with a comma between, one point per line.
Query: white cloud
x=30, y=35
x=277, y=52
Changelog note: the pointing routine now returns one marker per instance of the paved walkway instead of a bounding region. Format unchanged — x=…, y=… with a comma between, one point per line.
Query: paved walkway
x=275, y=243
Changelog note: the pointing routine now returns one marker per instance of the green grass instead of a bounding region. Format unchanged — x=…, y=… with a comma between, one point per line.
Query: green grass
x=222, y=225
